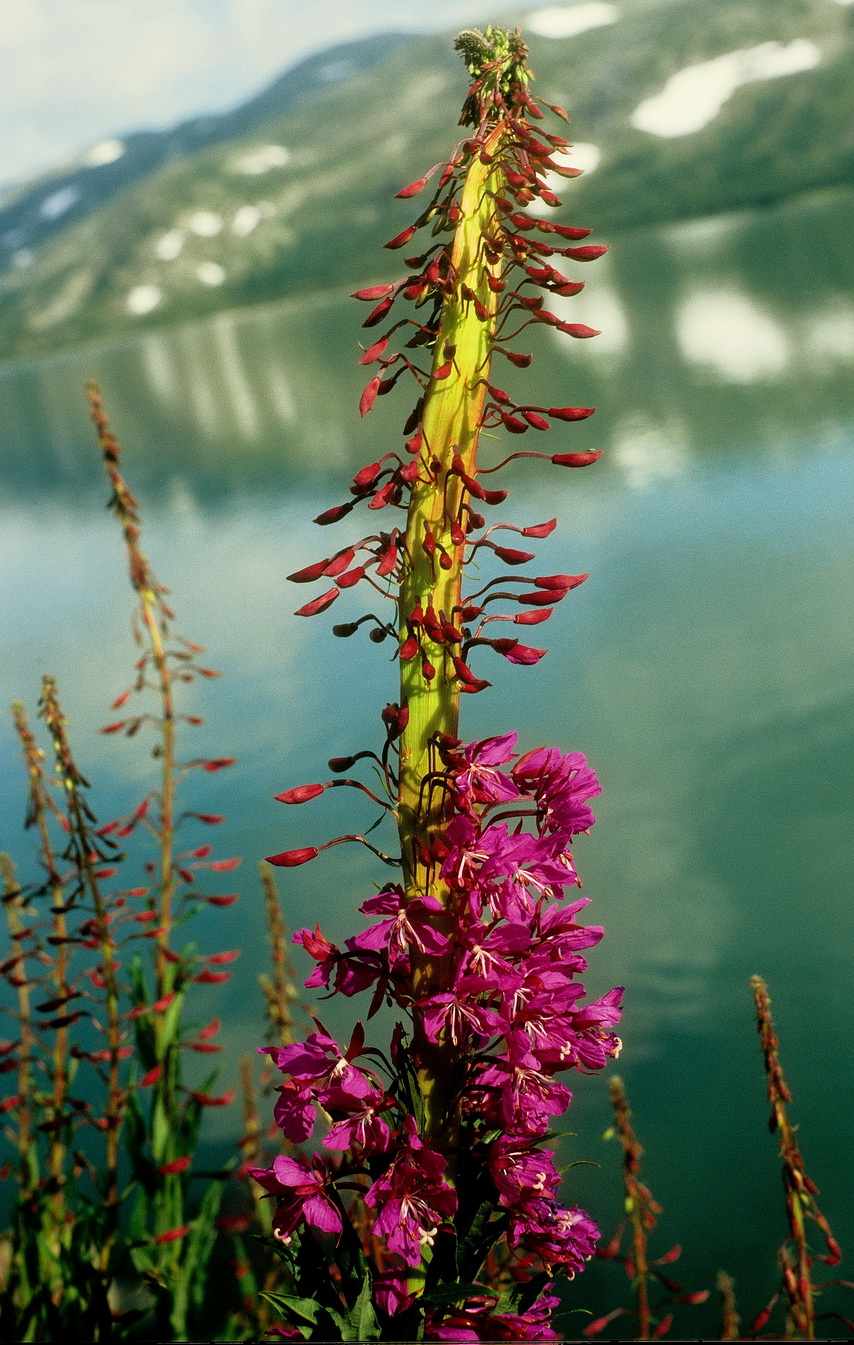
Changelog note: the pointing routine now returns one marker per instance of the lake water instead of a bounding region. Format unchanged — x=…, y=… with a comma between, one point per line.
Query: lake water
x=704, y=668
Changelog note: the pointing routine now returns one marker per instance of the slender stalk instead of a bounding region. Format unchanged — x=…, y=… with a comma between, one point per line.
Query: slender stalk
x=279, y=990
x=24, y=1111
x=154, y=619
x=40, y=803
x=796, y=1259
x=82, y=851
x=639, y=1204
x=730, y=1320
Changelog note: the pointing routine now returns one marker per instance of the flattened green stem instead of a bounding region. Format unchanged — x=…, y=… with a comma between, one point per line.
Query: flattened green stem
x=453, y=408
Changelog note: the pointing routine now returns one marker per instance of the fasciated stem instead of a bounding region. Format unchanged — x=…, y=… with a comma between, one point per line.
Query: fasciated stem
x=451, y=423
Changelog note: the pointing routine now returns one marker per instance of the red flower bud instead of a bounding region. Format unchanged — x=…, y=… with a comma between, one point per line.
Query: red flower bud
x=668, y=1257
x=576, y=459
x=511, y=557
x=332, y=515
x=395, y=717
x=568, y=231
x=560, y=581
x=351, y=577
x=375, y=351
x=339, y=764
x=543, y=598
x=388, y=561
x=373, y=292
x=466, y=676
x=588, y=253
x=207, y=1101
x=383, y=495
x=568, y=288
x=377, y=314
x=173, y=1235
x=533, y=618
x=577, y=329
x=521, y=653
x=513, y=423
x=409, y=648
x=402, y=238
x=300, y=794
x=432, y=627
x=538, y=422
x=520, y=361
x=369, y=396
x=540, y=529
x=290, y=859
x=339, y=563
x=318, y=604
x=570, y=412
x=413, y=189
x=177, y=1165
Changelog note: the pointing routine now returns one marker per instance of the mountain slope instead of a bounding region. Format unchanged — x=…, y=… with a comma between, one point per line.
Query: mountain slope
x=291, y=193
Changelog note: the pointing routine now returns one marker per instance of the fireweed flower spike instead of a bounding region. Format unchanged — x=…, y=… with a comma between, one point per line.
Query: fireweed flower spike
x=435, y=1158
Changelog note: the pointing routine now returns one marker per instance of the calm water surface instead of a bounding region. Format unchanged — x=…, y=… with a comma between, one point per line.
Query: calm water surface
x=704, y=668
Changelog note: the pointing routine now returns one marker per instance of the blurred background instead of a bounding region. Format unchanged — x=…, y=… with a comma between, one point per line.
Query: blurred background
x=192, y=188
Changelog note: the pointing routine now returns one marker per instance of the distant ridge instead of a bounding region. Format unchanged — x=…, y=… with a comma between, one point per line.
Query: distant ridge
x=291, y=193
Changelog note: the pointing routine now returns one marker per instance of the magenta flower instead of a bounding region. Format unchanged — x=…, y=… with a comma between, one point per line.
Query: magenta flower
x=301, y=1194
x=410, y=926
x=521, y=1171
x=479, y=779
x=459, y=1014
x=477, y=1321
x=362, y=1125
x=412, y=1199
x=558, y=1236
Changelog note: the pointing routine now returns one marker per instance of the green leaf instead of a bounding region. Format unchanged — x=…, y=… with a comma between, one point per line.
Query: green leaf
x=483, y=1233
x=361, y=1321
x=291, y=1306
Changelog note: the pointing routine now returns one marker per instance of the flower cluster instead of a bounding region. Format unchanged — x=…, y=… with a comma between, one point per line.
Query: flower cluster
x=512, y=1009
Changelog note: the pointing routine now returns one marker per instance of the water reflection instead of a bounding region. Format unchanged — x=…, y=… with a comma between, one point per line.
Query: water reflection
x=703, y=667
